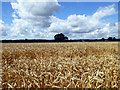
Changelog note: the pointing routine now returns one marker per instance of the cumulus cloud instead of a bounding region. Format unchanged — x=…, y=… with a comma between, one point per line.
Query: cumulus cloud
x=4, y=29
x=75, y=24
x=105, y=11
x=89, y=26
x=35, y=12
x=31, y=17
x=34, y=20
x=109, y=30
x=20, y=28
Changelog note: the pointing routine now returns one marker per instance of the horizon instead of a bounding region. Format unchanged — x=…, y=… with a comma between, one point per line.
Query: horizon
x=68, y=39
x=86, y=20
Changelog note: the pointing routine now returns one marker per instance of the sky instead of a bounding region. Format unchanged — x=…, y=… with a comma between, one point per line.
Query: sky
x=42, y=20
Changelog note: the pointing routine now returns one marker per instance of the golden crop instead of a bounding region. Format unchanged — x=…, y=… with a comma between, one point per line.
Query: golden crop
x=60, y=65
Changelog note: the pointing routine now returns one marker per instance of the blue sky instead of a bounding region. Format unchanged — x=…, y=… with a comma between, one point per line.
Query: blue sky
x=88, y=8
x=66, y=10
x=7, y=12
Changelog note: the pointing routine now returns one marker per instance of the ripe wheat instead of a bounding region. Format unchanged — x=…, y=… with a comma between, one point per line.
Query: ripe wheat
x=60, y=65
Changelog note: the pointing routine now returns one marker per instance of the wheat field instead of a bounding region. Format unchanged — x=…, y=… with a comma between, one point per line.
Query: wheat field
x=60, y=65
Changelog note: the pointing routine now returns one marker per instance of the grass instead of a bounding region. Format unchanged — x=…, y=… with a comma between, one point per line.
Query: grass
x=60, y=65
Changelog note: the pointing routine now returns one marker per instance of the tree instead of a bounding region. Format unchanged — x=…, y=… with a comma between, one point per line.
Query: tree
x=114, y=38
x=110, y=38
x=103, y=39
x=60, y=37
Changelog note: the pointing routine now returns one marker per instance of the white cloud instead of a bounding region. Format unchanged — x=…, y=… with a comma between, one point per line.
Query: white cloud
x=109, y=30
x=105, y=11
x=4, y=29
x=31, y=16
x=36, y=13
x=81, y=26
x=20, y=28
x=75, y=24
x=35, y=20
